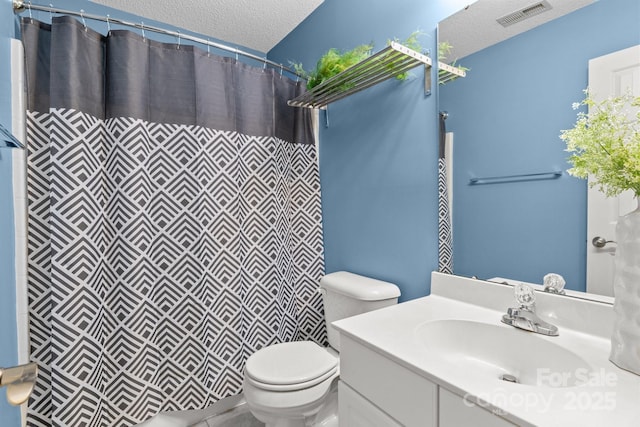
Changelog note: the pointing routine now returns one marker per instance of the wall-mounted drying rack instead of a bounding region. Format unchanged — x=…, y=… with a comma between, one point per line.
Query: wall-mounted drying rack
x=515, y=178
x=8, y=139
x=389, y=62
x=447, y=73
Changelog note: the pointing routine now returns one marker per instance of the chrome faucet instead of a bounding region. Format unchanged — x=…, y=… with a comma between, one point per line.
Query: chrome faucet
x=525, y=317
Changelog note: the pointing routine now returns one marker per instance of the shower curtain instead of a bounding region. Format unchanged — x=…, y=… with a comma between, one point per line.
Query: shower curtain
x=445, y=230
x=174, y=223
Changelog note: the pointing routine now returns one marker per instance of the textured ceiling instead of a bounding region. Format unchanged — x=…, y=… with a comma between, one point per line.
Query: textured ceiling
x=261, y=24
x=255, y=24
x=475, y=27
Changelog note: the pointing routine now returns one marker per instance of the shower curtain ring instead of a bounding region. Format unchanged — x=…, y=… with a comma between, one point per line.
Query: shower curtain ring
x=178, y=41
x=264, y=64
x=83, y=21
x=51, y=12
x=144, y=37
x=281, y=69
x=30, y=14
x=236, y=55
x=208, y=48
x=108, y=25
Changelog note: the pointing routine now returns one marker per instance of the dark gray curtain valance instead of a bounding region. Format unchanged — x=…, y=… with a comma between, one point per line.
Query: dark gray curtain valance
x=132, y=76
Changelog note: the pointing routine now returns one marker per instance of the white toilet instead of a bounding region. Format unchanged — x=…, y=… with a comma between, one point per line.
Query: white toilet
x=295, y=384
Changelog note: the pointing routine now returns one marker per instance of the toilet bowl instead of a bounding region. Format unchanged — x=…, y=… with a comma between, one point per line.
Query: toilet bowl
x=287, y=384
x=294, y=384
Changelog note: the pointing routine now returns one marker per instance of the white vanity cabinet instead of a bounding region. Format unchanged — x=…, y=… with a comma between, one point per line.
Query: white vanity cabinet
x=409, y=399
x=378, y=392
x=423, y=362
x=356, y=411
x=454, y=411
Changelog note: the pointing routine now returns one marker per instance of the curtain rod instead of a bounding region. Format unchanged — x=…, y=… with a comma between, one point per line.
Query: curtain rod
x=20, y=6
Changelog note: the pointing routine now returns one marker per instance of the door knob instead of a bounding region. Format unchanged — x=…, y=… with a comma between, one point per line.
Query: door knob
x=600, y=242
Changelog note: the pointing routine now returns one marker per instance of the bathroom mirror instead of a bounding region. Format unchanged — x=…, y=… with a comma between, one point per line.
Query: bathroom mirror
x=505, y=118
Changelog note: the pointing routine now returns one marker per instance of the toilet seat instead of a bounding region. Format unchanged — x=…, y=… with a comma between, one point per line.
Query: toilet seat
x=290, y=366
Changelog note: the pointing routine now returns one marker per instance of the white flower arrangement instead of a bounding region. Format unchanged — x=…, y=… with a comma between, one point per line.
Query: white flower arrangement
x=605, y=145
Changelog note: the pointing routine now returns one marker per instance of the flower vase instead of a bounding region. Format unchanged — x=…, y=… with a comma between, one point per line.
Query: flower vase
x=625, y=341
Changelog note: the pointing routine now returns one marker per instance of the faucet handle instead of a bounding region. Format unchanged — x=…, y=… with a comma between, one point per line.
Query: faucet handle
x=554, y=283
x=525, y=296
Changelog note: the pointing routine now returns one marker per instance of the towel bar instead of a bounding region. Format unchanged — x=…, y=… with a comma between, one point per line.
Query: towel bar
x=514, y=178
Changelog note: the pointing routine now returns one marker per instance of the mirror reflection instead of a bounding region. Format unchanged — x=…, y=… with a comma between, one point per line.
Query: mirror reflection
x=505, y=118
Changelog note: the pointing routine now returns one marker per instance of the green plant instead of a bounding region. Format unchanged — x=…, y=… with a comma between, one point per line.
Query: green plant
x=412, y=43
x=605, y=145
x=444, y=49
x=333, y=62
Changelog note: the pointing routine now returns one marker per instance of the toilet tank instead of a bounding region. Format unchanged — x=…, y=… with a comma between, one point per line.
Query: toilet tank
x=346, y=294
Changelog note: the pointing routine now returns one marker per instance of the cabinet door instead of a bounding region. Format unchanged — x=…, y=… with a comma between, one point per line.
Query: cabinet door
x=356, y=411
x=454, y=411
x=409, y=398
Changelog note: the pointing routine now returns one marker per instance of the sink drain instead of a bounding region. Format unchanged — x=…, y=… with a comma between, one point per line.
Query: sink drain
x=508, y=378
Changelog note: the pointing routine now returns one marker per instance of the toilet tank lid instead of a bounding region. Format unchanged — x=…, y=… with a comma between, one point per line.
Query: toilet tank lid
x=359, y=287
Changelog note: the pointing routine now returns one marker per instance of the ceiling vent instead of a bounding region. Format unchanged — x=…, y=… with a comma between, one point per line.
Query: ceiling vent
x=524, y=13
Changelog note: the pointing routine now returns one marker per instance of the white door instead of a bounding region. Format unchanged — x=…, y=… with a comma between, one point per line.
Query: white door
x=609, y=75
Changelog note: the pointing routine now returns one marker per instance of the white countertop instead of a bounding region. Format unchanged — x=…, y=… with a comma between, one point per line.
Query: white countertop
x=612, y=398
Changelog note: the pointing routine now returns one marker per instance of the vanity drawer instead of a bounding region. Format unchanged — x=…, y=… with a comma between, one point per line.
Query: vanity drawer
x=456, y=412
x=401, y=393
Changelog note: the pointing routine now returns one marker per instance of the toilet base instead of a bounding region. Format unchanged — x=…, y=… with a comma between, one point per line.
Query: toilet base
x=328, y=414
x=324, y=416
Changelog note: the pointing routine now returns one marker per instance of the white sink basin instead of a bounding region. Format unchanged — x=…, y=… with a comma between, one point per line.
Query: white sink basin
x=493, y=351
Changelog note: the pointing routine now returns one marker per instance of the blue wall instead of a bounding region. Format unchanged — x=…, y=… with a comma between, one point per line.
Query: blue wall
x=378, y=157
x=506, y=116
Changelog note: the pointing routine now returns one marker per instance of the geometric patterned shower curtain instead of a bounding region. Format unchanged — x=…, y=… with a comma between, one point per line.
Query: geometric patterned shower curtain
x=445, y=228
x=168, y=240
